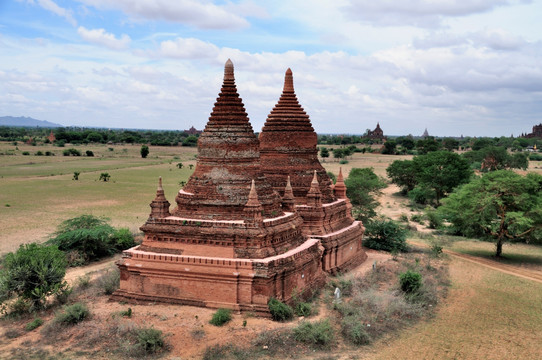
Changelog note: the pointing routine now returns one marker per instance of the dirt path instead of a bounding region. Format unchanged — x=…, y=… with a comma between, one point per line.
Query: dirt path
x=505, y=268
x=72, y=274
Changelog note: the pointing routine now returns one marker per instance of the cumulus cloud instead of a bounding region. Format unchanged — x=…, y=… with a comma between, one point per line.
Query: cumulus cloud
x=422, y=13
x=101, y=37
x=200, y=14
x=188, y=48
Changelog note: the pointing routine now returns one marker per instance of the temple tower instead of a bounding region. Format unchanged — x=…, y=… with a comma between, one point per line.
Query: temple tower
x=228, y=243
x=288, y=147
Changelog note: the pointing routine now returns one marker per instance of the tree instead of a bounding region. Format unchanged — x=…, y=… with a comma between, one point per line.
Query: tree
x=500, y=206
x=324, y=152
x=450, y=144
x=441, y=171
x=401, y=173
x=362, y=187
x=339, y=153
x=389, y=147
x=33, y=272
x=144, y=151
x=494, y=158
x=427, y=145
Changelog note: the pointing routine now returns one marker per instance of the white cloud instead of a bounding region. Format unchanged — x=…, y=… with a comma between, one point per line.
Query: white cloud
x=101, y=37
x=51, y=6
x=189, y=48
x=422, y=13
x=200, y=14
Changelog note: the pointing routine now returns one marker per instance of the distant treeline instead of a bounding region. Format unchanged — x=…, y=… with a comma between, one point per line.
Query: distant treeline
x=449, y=143
x=76, y=135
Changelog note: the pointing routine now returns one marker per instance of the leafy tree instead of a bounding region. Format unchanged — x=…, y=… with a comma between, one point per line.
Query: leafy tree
x=105, y=177
x=144, y=151
x=339, y=153
x=427, y=145
x=190, y=141
x=402, y=173
x=362, y=187
x=441, y=171
x=406, y=142
x=450, y=144
x=494, y=158
x=389, y=147
x=500, y=206
x=324, y=152
x=482, y=143
x=33, y=272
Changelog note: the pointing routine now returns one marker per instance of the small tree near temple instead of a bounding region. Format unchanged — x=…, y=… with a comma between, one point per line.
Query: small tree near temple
x=500, y=206
x=362, y=187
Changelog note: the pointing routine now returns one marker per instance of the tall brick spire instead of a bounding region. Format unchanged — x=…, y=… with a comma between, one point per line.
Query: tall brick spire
x=288, y=147
x=228, y=160
x=160, y=205
x=340, y=187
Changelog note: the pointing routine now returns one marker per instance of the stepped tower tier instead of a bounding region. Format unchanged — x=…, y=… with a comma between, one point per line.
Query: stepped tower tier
x=228, y=161
x=288, y=147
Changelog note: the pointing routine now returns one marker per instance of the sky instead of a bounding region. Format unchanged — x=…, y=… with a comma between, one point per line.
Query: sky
x=471, y=68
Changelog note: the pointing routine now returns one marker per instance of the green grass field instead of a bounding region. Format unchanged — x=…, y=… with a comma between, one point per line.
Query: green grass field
x=38, y=192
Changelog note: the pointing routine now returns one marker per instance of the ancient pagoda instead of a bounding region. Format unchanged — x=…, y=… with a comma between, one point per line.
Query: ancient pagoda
x=231, y=241
x=289, y=156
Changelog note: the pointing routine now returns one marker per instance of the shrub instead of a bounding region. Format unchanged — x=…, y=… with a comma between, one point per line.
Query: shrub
x=535, y=157
x=355, y=331
x=91, y=238
x=71, y=151
x=105, y=177
x=39, y=153
x=33, y=272
x=221, y=317
x=303, y=309
x=34, y=324
x=150, y=340
x=318, y=333
x=144, y=151
x=49, y=153
x=410, y=281
x=72, y=314
x=124, y=239
x=421, y=195
x=385, y=234
x=76, y=175
x=109, y=281
x=417, y=218
x=89, y=153
x=279, y=310
x=25, y=153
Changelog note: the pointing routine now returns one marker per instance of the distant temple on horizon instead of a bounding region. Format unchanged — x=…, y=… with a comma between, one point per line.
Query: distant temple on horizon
x=193, y=131
x=376, y=134
x=537, y=132
x=425, y=134
x=258, y=219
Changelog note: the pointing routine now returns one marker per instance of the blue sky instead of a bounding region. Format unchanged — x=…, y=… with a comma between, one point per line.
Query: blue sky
x=453, y=67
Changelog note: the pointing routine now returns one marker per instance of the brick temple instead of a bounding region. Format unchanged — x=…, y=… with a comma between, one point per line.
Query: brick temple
x=258, y=218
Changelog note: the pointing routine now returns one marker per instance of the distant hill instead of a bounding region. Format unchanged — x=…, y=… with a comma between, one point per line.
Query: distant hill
x=26, y=122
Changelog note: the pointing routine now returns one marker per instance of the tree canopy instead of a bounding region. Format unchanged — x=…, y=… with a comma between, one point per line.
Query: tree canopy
x=362, y=186
x=500, y=206
x=437, y=172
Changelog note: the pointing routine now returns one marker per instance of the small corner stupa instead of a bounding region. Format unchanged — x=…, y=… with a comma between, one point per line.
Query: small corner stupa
x=231, y=241
x=288, y=152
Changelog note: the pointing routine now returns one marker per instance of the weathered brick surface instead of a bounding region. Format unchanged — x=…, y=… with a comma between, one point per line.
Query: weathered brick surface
x=288, y=147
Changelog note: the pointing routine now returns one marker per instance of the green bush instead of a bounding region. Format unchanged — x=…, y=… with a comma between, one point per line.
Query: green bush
x=279, y=310
x=144, y=151
x=303, y=309
x=421, y=195
x=33, y=272
x=150, y=340
x=535, y=157
x=317, y=333
x=71, y=151
x=72, y=314
x=385, y=234
x=89, y=153
x=221, y=317
x=355, y=331
x=34, y=324
x=417, y=218
x=105, y=177
x=410, y=281
x=26, y=153
x=91, y=237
